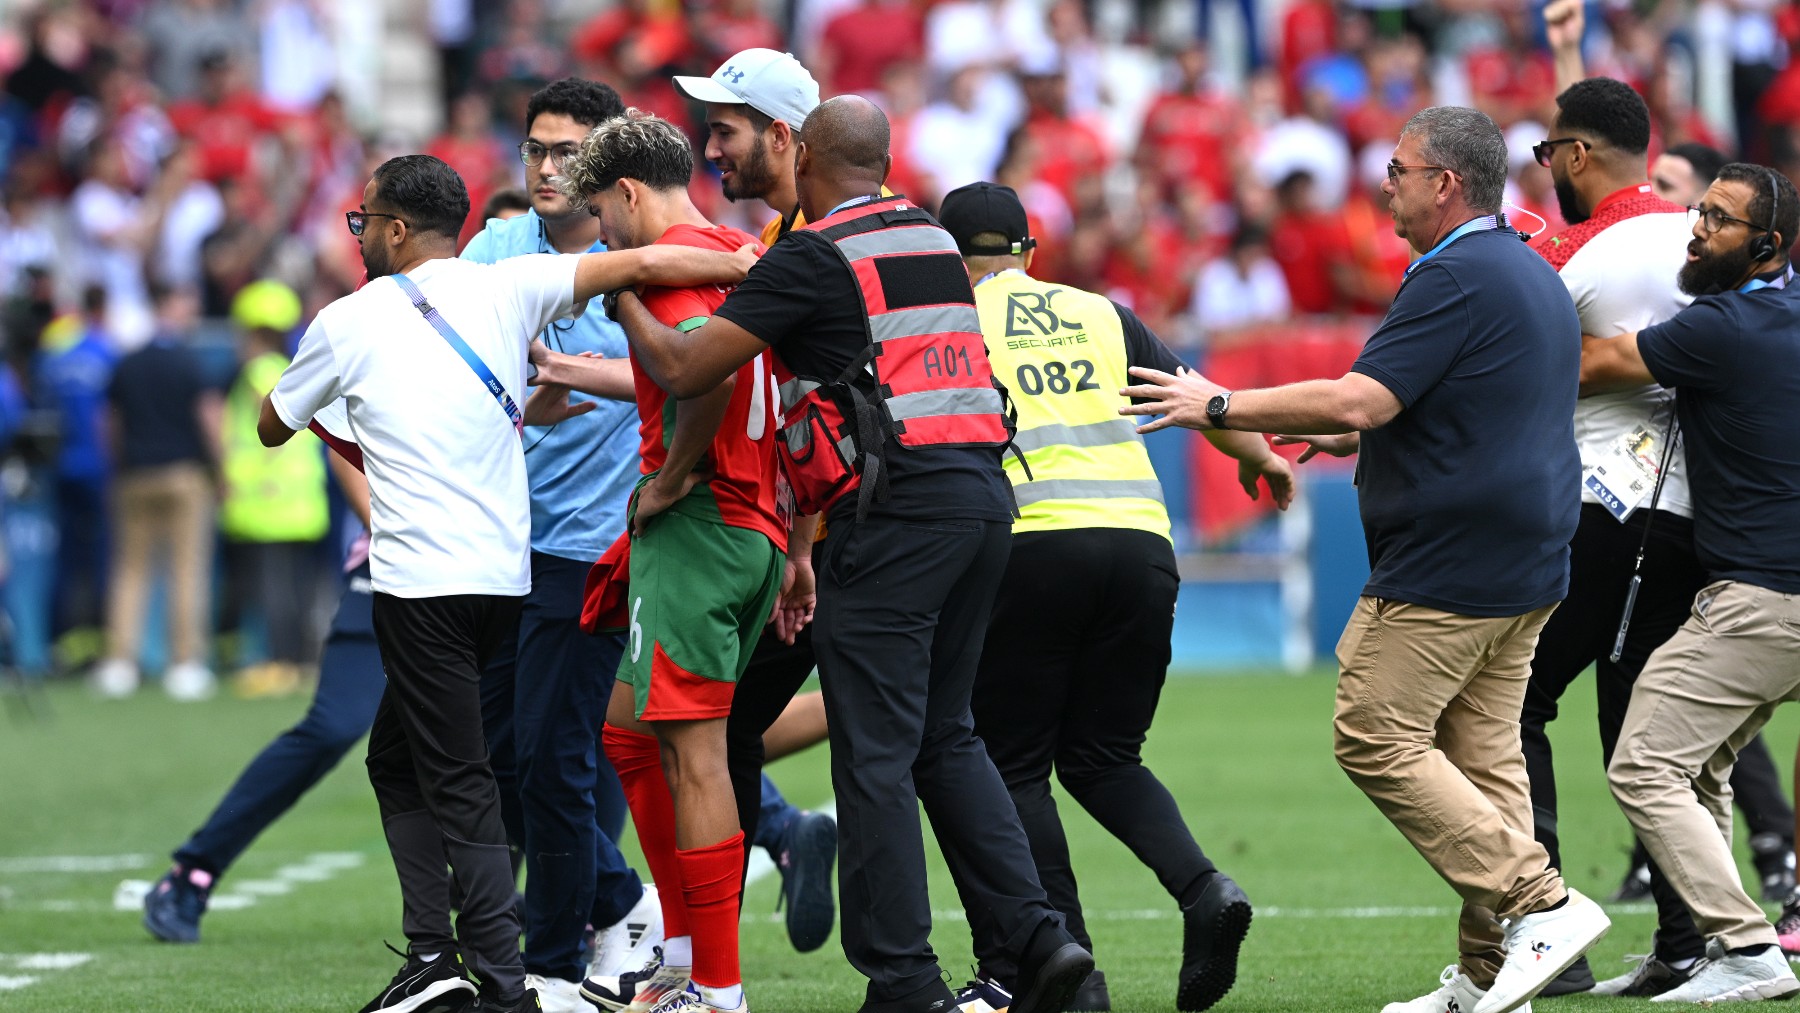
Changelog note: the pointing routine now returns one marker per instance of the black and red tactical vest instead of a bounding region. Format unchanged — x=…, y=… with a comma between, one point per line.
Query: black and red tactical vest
x=923, y=378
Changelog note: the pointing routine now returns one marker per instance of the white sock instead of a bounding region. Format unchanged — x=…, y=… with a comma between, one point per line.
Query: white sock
x=679, y=951
x=428, y=957
x=729, y=997
x=1682, y=965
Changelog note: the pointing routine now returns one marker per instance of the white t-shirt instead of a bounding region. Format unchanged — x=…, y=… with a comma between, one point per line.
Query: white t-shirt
x=450, y=509
x=1623, y=280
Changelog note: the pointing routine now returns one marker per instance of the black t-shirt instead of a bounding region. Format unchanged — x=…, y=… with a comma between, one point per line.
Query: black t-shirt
x=801, y=299
x=1142, y=346
x=1734, y=361
x=156, y=391
x=1470, y=495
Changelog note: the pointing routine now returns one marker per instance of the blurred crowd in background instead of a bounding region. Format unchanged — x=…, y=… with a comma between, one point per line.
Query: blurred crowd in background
x=174, y=173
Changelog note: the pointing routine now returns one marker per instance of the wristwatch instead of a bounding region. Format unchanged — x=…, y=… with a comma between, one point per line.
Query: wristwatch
x=1216, y=409
x=610, y=303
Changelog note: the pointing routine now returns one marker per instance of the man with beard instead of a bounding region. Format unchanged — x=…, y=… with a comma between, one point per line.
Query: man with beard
x=1618, y=258
x=425, y=366
x=1733, y=359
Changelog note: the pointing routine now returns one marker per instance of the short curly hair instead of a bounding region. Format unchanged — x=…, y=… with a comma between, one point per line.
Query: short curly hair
x=589, y=103
x=1607, y=110
x=637, y=146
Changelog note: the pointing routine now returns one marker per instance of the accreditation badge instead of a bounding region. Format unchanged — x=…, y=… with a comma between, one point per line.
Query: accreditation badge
x=1627, y=472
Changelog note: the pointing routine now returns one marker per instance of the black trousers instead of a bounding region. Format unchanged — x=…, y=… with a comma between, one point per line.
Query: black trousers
x=776, y=673
x=428, y=764
x=903, y=609
x=1581, y=633
x=1070, y=676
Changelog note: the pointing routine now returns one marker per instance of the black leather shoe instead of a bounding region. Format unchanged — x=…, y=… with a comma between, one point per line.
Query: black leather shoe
x=1092, y=997
x=1054, y=967
x=1212, y=931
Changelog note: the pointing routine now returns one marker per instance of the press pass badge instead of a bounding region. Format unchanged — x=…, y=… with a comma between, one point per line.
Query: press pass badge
x=1627, y=472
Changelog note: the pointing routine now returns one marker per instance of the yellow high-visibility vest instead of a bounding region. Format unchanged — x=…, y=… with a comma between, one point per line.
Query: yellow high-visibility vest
x=271, y=494
x=1061, y=353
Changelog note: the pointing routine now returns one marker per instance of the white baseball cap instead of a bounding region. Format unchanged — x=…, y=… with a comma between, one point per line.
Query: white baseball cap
x=772, y=83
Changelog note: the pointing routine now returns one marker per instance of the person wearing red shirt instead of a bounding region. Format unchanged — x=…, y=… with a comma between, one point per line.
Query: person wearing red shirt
x=225, y=120
x=708, y=533
x=1075, y=156
x=1190, y=131
x=861, y=43
x=470, y=148
x=1312, y=248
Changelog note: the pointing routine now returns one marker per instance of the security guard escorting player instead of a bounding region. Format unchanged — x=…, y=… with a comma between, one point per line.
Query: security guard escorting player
x=1071, y=677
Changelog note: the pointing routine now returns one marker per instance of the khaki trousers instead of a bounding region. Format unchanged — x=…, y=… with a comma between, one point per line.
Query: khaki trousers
x=1702, y=696
x=169, y=510
x=1411, y=678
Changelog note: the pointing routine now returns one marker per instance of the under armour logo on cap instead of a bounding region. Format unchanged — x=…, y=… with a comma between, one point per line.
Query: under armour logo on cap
x=736, y=76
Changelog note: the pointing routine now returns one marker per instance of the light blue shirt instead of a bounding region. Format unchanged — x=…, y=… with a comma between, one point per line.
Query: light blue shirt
x=582, y=469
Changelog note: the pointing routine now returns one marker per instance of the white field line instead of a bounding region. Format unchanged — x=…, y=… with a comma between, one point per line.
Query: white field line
x=36, y=962
x=8, y=982
x=73, y=863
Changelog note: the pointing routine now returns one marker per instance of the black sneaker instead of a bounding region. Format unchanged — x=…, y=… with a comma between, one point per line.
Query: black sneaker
x=808, y=850
x=173, y=907
x=1212, y=931
x=1051, y=972
x=934, y=997
x=1635, y=887
x=1092, y=997
x=1651, y=977
x=1773, y=857
x=1577, y=977
x=526, y=1003
x=436, y=986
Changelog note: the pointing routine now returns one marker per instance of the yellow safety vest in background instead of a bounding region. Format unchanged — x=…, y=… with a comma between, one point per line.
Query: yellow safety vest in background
x=1061, y=352
x=271, y=495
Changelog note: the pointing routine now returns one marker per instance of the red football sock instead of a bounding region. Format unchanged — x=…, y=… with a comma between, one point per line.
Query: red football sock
x=638, y=760
x=712, y=878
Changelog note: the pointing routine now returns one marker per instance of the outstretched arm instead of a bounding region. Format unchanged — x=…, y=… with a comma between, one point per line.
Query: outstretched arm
x=1609, y=364
x=686, y=363
x=674, y=266
x=1352, y=403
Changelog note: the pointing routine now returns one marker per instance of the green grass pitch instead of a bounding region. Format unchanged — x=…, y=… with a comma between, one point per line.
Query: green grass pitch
x=1348, y=916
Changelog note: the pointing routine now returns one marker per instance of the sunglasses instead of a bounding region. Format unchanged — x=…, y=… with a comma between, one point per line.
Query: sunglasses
x=1542, y=150
x=359, y=220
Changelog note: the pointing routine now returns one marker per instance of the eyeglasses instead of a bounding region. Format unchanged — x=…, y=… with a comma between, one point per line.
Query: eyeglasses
x=1395, y=170
x=359, y=220
x=1542, y=150
x=1716, y=219
x=532, y=153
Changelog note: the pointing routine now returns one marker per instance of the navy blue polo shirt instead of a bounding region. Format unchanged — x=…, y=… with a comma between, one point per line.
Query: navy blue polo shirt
x=1469, y=496
x=1734, y=361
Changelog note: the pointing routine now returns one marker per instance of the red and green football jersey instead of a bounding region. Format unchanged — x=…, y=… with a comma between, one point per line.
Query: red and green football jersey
x=745, y=488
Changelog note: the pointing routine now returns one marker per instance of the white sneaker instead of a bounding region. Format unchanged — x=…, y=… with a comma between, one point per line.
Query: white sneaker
x=689, y=1002
x=558, y=995
x=189, y=681
x=1539, y=947
x=1725, y=977
x=632, y=941
x=115, y=678
x=1455, y=994
x=662, y=987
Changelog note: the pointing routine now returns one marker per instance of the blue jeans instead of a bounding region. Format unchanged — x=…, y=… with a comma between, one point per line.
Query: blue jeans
x=343, y=708
x=544, y=698
x=777, y=815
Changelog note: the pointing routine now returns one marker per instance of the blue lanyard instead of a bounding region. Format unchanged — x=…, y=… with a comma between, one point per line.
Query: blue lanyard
x=482, y=372
x=1782, y=282
x=852, y=202
x=1474, y=225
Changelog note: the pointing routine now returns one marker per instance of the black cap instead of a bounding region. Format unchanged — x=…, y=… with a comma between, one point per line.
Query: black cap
x=968, y=211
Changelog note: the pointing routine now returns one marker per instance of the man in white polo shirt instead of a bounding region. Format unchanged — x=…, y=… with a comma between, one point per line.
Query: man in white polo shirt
x=426, y=365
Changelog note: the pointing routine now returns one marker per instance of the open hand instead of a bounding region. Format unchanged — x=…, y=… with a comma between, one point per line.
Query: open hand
x=549, y=404
x=1179, y=399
